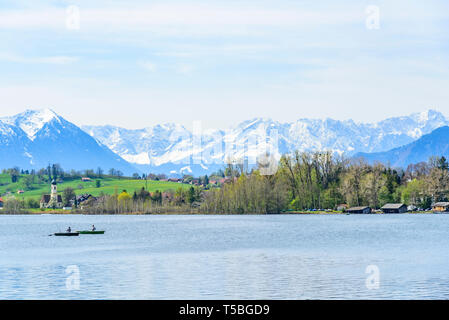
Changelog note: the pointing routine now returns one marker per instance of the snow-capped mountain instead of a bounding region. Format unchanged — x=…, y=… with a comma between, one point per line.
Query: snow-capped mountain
x=31, y=122
x=34, y=139
x=173, y=148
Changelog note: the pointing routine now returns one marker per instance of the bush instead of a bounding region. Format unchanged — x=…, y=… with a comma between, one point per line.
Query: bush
x=32, y=204
x=13, y=206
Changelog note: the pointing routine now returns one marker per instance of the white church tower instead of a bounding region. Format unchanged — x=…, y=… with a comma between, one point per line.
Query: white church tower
x=54, y=195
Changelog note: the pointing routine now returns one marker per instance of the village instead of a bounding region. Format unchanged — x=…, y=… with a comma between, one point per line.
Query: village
x=74, y=195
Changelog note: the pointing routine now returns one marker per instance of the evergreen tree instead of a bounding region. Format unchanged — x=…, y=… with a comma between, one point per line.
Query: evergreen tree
x=191, y=195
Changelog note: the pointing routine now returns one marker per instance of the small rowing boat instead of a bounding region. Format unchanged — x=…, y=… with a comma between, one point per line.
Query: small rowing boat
x=66, y=234
x=91, y=232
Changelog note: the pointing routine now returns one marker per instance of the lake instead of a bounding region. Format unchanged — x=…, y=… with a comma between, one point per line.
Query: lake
x=226, y=257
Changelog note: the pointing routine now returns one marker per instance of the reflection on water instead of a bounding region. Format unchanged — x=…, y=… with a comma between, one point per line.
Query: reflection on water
x=226, y=257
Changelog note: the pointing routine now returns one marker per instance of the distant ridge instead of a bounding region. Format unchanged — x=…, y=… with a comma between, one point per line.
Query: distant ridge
x=435, y=143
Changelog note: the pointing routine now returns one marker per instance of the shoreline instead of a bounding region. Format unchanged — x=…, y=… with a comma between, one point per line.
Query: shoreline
x=59, y=212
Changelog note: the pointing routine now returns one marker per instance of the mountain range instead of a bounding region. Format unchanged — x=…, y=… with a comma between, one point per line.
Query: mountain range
x=152, y=149
x=35, y=138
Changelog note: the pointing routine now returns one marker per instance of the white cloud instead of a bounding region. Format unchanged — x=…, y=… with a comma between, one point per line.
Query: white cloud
x=184, y=68
x=176, y=19
x=48, y=60
x=149, y=66
x=34, y=19
x=217, y=17
x=283, y=59
x=55, y=60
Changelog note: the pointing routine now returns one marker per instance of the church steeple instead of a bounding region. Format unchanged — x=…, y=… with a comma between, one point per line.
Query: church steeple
x=54, y=188
x=54, y=194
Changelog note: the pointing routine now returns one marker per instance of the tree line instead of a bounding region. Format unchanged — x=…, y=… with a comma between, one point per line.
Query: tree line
x=304, y=180
x=323, y=180
x=145, y=202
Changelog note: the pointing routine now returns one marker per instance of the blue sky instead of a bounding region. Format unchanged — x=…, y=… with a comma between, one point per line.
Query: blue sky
x=138, y=63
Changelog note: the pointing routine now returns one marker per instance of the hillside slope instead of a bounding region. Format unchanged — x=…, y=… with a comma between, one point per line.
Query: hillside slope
x=435, y=143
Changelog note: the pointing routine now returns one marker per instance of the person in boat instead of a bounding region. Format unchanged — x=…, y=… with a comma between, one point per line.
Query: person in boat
x=69, y=230
x=93, y=228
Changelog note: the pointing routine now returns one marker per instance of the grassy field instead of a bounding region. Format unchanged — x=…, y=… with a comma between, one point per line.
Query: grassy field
x=108, y=186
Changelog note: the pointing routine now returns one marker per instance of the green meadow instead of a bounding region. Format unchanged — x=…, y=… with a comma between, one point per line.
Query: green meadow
x=108, y=185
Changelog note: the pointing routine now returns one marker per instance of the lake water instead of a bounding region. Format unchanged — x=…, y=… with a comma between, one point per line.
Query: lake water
x=226, y=257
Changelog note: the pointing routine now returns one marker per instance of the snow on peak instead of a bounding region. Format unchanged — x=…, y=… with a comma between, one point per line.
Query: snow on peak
x=428, y=115
x=141, y=158
x=185, y=169
x=5, y=129
x=32, y=121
